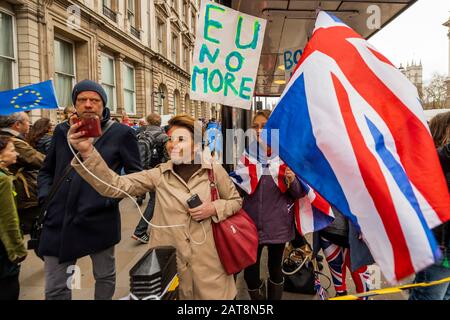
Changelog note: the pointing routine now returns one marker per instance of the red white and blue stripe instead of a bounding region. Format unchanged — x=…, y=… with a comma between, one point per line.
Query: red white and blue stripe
x=251, y=167
x=338, y=259
x=312, y=212
x=363, y=143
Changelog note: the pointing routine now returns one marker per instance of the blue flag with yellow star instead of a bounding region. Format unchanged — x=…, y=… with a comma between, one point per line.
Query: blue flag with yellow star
x=36, y=96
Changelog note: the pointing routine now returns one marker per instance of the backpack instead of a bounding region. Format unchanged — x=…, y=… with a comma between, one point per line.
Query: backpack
x=150, y=150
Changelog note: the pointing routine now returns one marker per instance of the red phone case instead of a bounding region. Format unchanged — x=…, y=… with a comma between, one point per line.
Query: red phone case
x=91, y=125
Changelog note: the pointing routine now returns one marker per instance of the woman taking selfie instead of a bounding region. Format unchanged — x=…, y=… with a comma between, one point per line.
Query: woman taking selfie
x=200, y=271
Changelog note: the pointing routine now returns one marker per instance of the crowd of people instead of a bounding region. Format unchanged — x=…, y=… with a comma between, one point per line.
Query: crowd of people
x=38, y=172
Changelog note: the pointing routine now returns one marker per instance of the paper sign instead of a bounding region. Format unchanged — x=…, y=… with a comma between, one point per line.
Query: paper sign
x=290, y=58
x=226, y=56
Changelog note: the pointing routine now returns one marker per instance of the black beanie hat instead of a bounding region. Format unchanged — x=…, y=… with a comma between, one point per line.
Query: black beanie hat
x=89, y=85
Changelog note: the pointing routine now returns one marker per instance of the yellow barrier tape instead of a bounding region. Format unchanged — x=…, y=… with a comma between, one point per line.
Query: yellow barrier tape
x=174, y=284
x=391, y=290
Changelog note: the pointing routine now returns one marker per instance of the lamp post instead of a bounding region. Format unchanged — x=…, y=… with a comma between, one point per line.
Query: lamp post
x=161, y=97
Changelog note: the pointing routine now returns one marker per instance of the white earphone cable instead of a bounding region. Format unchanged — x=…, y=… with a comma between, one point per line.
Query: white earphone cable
x=135, y=203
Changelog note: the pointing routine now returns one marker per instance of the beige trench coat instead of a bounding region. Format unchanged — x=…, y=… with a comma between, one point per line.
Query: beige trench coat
x=200, y=271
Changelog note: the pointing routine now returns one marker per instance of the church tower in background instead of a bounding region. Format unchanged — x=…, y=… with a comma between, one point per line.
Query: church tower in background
x=414, y=72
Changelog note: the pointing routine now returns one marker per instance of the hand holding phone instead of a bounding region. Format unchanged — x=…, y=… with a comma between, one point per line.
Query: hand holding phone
x=200, y=211
x=79, y=138
x=194, y=201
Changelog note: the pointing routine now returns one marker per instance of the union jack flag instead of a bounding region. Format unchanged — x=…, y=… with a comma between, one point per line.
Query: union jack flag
x=363, y=143
x=250, y=169
x=311, y=213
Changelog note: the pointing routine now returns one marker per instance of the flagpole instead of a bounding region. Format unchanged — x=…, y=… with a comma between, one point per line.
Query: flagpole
x=318, y=9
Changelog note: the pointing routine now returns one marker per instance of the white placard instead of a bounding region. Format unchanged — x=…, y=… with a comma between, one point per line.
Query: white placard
x=226, y=56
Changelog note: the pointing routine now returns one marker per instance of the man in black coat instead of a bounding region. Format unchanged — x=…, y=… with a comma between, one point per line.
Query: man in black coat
x=80, y=221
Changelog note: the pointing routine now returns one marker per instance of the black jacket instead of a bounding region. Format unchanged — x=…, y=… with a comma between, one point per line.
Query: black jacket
x=345, y=234
x=43, y=144
x=80, y=221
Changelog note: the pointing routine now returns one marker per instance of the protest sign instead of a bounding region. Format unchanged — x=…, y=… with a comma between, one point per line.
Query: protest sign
x=226, y=56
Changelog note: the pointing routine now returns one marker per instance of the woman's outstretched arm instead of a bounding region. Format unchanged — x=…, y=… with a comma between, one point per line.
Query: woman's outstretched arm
x=134, y=184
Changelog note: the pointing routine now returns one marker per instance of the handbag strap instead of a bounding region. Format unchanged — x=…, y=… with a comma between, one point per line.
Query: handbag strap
x=212, y=185
x=55, y=187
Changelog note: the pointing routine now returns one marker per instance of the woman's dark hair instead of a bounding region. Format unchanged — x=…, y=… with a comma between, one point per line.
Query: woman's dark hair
x=38, y=130
x=440, y=129
x=4, y=140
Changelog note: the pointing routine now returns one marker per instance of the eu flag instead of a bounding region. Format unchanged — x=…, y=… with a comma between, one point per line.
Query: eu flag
x=36, y=96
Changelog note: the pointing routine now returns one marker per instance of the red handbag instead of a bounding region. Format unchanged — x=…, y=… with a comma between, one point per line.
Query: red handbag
x=236, y=237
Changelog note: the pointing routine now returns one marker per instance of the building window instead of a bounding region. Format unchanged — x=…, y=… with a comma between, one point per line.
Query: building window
x=8, y=64
x=176, y=103
x=193, y=21
x=186, y=58
x=163, y=100
x=187, y=105
x=131, y=13
x=133, y=17
x=64, y=71
x=109, y=81
x=108, y=9
x=161, y=34
x=185, y=11
x=129, y=89
x=174, y=48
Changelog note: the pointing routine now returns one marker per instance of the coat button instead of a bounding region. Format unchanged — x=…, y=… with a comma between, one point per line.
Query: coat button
x=69, y=179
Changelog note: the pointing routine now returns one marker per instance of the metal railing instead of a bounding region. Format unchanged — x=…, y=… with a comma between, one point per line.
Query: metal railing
x=135, y=32
x=110, y=13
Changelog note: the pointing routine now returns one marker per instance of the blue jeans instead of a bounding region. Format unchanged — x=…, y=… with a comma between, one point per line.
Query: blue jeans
x=148, y=214
x=438, y=292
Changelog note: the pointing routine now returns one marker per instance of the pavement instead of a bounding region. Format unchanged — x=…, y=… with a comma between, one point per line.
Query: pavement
x=128, y=252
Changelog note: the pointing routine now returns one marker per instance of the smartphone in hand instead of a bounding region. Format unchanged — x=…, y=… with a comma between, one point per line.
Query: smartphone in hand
x=89, y=124
x=194, y=201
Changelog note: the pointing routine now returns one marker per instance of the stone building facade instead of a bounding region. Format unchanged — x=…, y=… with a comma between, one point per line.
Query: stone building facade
x=140, y=51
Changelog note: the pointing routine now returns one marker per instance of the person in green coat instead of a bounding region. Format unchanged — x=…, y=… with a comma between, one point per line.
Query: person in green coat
x=12, y=248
